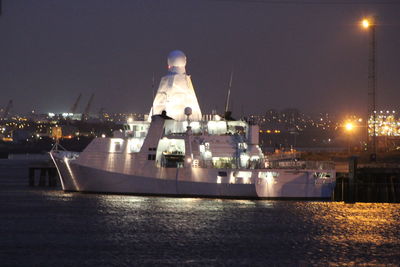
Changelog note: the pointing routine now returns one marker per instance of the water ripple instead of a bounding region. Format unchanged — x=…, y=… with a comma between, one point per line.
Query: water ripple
x=49, y=227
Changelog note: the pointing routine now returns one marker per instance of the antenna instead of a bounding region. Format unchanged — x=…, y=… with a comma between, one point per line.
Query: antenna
x=229, y=92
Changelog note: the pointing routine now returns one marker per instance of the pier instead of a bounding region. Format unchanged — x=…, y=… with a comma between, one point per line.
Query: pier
x=47, y=174
x=375, y=182
x=36, y=170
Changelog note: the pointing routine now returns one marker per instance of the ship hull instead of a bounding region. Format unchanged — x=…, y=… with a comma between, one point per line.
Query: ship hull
x=185, y=182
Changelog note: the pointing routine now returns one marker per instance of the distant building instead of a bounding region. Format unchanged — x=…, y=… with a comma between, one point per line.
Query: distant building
x=21, y=136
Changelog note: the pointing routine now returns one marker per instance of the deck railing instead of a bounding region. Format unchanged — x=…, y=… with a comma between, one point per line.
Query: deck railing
x=314, y=165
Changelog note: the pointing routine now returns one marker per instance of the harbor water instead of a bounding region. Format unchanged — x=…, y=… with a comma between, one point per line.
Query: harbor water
x=47, y=227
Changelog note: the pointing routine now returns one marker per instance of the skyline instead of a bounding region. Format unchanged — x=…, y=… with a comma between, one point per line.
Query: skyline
x=310, y=56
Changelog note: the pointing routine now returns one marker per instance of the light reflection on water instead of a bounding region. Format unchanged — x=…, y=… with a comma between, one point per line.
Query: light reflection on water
x=363, y=224
x=48, y=227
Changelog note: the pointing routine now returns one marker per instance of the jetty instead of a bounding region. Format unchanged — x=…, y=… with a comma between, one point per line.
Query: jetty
x=46, y=173
x=37, y=170
x=368, y=182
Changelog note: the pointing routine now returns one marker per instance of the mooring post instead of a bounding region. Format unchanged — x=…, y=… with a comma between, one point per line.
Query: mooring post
x=31, y=176
x=352, y=179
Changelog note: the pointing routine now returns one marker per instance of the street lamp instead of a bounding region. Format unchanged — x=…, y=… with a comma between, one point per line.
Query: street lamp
x=349, y=126
x=370, y=25
x=365, y=23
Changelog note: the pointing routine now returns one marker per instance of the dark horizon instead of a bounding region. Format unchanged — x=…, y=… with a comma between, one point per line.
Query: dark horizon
x=310, y=56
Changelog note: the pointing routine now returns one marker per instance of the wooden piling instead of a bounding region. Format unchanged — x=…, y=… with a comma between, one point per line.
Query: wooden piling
x=352, y=179
x=42, y=178
x=31, y=177
x=342, y=195
x=48, y=175
x=392, y=189
x=52, y=173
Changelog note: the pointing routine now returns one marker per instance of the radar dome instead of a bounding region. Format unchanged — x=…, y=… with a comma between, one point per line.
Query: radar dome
x=188, y=111
x=176, y=59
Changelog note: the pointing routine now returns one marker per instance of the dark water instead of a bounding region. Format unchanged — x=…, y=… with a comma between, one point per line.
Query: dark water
x=41, y=227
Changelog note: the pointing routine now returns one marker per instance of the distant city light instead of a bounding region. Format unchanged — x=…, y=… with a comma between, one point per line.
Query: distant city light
x=65, y=114
x=386, y=124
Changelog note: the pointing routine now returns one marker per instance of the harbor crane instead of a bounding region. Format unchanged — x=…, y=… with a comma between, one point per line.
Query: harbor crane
x=7, y=109
x=101, y=113
x=75, y=105
x=85, y=114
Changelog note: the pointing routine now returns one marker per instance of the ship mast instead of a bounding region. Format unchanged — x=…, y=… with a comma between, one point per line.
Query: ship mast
x=228, y=95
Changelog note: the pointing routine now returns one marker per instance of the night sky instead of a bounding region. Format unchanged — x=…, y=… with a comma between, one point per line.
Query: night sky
x=295, y=54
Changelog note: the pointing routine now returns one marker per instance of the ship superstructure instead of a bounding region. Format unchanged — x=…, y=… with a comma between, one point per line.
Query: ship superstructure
x=184, y=153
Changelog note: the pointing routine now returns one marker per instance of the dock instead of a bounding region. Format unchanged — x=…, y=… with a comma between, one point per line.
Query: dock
x=46, y=173
x=373, y=182
x=36, y=170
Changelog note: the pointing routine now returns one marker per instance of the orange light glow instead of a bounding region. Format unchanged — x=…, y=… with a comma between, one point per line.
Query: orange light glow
x=365, y=23
x=349, y=126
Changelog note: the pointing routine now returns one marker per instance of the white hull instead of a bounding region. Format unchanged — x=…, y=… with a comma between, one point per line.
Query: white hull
x=199, y=182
